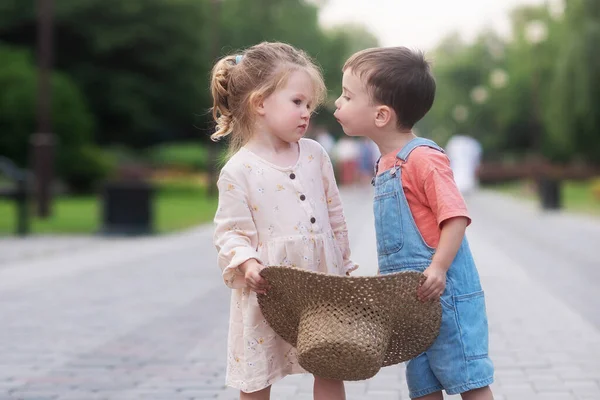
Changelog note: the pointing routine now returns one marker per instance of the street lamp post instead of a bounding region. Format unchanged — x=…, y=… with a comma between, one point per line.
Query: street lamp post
x=42, y=142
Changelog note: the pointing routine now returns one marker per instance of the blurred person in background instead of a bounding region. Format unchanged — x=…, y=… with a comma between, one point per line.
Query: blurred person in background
x=346, y=153
x=465, y=156
x=369, y=153
x=324, y=138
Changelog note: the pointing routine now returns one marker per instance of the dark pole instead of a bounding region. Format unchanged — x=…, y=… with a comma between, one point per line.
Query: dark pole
x=43, y=140
x=22, y=204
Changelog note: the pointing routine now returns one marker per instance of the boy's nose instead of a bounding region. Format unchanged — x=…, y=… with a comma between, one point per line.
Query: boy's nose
x=337, y=103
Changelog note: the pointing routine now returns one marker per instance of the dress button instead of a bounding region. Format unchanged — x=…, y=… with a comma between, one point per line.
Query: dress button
x=302, y=197
x=313, y=220
x=292, y=176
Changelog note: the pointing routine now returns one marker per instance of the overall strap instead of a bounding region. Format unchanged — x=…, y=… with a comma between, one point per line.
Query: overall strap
x=413, y=144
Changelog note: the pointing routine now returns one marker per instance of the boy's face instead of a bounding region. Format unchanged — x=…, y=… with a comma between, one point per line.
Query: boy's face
x=354, y=109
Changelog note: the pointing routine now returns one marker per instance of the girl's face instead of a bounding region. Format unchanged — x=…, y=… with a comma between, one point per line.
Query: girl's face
x=286, y=112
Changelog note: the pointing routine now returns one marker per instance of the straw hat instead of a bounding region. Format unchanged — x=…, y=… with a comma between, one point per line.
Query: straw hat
x=347, y=328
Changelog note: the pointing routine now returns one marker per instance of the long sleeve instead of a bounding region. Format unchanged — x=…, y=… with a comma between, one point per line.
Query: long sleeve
x=336, y=212
x=235, y=234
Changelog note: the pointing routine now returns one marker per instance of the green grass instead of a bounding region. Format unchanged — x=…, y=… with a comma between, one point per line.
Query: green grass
x=177, y=206
x=181, y=206
x=577, y=196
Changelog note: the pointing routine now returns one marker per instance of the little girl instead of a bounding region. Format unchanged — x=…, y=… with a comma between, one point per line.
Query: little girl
x=278, y=203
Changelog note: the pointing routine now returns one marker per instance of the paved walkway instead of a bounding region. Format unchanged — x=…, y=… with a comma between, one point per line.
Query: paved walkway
x=18, y=249
x=147, y=318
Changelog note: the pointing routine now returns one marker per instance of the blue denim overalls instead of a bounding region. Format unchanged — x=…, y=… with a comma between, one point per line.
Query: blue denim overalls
x=458, y=360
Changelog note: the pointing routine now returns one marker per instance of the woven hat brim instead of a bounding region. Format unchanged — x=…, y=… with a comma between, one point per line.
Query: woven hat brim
x=414, y=324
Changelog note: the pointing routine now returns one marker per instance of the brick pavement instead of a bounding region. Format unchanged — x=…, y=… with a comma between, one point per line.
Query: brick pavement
x=147, y=319
x=14, y=249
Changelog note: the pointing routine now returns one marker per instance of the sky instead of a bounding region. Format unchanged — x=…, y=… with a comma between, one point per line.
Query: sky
x=422, y=23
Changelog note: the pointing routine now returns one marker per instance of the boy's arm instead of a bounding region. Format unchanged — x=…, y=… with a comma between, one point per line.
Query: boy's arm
x=451, y=237
x=445, y=200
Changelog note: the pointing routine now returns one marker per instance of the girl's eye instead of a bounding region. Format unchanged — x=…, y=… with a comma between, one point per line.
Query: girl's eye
x=297, y=102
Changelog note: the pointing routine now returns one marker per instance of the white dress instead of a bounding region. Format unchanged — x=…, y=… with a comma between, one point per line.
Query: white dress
x=281, y=216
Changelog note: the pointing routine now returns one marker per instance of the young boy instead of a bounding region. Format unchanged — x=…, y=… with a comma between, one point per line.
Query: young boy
x=420, y=216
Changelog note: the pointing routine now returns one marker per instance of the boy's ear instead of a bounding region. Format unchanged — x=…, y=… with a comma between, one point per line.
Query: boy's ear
x=383, y=116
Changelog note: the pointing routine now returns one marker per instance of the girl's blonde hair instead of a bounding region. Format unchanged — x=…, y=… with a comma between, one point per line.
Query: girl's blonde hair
x=238, y=81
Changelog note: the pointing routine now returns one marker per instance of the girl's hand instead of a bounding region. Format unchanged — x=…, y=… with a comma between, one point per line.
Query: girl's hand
x=251, y=270
x=434, y=284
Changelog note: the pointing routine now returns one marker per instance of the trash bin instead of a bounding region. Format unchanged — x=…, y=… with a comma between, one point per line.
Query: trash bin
x=550, y=193
x=127, y=208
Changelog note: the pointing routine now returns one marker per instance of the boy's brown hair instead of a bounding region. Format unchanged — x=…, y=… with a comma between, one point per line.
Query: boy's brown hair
x=398, y=78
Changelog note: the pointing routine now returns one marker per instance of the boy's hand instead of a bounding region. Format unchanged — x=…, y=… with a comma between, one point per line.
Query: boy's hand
x=251, y=270
x=434, y=284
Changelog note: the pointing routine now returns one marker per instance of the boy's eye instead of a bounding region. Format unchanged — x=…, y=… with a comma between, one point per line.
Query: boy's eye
x=345, y=97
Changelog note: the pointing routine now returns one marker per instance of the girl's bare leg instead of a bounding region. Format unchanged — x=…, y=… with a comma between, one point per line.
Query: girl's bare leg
x=264, y=394
x=328, y=389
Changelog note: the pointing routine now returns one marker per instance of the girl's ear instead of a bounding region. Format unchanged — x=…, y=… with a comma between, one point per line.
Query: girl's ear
x=256, y=101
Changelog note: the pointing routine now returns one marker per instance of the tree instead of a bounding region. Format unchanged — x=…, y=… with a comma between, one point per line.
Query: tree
x=141, y=63
x=508, y=118
x=78, y=161
x=465, y=102
x=573, y=117
x=144, y=65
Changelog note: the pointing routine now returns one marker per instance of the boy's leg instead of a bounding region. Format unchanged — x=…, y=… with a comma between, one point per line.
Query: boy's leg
x=328, y=389
x=264, y=394
x=422, y=383
x=458, y=357
x=484, y=393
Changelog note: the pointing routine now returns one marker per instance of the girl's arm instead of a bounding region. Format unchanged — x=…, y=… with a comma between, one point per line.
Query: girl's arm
x=336, y=212
x=235, y=235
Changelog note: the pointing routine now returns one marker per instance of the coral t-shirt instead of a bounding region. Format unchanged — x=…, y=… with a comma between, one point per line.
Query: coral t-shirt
x=430, y=190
